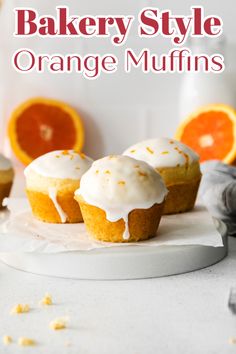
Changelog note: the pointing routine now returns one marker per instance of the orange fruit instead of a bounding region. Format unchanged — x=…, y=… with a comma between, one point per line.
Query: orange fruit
x=211, y=132
x=40, y=125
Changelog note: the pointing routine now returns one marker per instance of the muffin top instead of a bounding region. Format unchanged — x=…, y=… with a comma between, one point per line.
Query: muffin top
x=60, y=164
x=120, y=184
x=5, y=163
x=162, y=152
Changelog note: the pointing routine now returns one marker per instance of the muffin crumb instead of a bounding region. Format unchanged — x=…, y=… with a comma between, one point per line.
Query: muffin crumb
x=19, y=308
x=7, y=340
x=58, y=324
x=67, y=344
x=232, y=340
x=26, y=342
x=47, y=300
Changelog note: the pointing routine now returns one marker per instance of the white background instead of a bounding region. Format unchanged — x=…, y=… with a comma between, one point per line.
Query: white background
x=119, y=109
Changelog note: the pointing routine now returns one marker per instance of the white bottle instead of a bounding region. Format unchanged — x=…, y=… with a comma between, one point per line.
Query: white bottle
x=199, y=89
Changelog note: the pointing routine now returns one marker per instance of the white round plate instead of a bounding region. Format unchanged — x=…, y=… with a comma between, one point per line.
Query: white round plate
x=116, y=263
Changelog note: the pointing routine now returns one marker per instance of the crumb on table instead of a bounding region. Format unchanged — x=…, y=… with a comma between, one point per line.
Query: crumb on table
x=58, y=324
x=19, y=308
x=7, y=340
x=232, y=340
x=46, y=300
x=26, y=342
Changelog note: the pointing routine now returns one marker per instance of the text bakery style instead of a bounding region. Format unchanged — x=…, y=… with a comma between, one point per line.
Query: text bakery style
x=151, y=23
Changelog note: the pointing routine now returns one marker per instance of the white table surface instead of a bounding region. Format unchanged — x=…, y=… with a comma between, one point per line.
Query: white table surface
x=184, y=314
x=179, y=314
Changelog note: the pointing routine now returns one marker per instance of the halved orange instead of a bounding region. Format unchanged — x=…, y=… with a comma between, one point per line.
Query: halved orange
x=41, y=125
x=211, y=132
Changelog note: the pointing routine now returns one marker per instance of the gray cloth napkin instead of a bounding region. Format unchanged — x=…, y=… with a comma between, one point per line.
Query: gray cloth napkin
x=218, y=192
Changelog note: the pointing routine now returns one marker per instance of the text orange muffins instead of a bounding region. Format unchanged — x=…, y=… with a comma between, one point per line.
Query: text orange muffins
x=178, y=166
x=6, y=178
x=51, y=181
x=121, y=199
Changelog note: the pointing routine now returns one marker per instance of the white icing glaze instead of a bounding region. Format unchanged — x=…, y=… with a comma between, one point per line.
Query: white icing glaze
x=5, y=164
x=162, y=152
x=126, y=234
x=60, y=164
x=52, y=192
x=120, y=184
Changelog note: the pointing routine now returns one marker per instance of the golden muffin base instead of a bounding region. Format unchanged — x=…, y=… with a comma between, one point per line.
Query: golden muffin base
x=143, y=223
x=44, y=209
x=181, y=197
x=5, y=189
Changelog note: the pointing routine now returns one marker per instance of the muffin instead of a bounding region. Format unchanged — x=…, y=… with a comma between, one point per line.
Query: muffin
x=51, y=181
x=179, y=167
x=6, y=178
x=121, y=199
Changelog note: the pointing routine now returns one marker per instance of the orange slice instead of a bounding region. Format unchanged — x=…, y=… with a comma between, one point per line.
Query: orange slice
x=40, y=125
x=211, y=132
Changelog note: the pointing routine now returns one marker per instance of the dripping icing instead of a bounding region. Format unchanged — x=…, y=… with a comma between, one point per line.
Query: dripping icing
x=144, y=187
x=126, y=234
x=52, y=192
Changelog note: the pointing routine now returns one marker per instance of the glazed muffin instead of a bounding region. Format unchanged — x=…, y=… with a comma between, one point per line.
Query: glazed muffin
x=6, y=178
x=51, y=181
x=179, y=167
x=121, y=199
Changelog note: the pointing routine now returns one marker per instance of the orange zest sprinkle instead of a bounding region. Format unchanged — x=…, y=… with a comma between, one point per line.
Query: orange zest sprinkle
x=143, y=174
x=122, y=183
x=82, y=155
x=65, y=152
x=97, y=172
x=132, y=151
x=107, y=172
x=149, y=150
x=187, y=159
x=178, y=150
x=136, y=166
x=184, y=155
x=172, y=142
x=112, y=157
x=165, y=152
